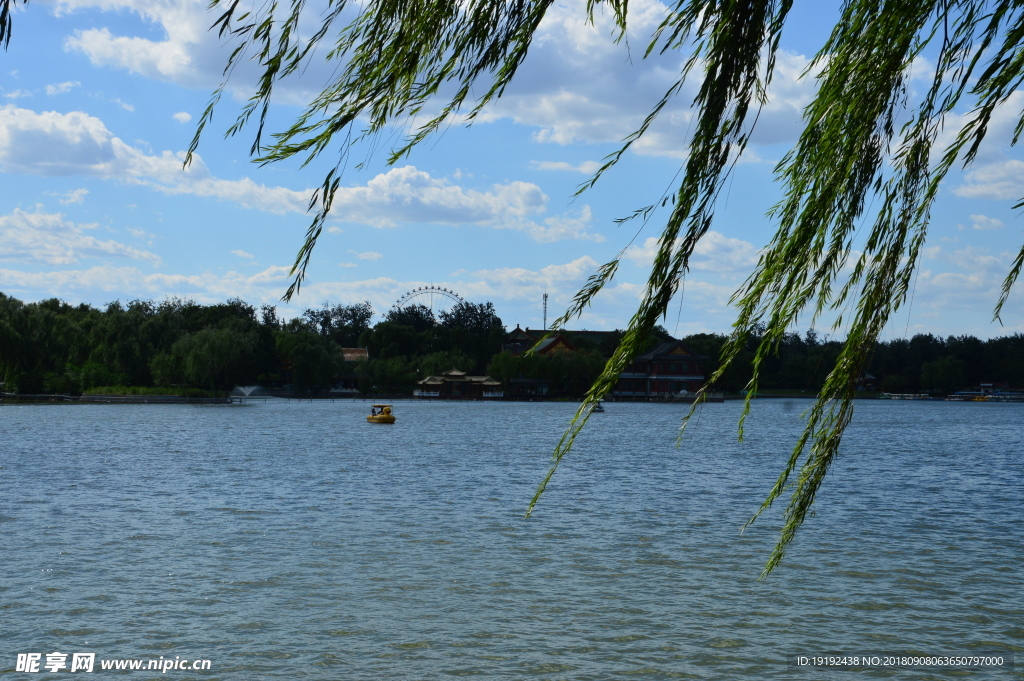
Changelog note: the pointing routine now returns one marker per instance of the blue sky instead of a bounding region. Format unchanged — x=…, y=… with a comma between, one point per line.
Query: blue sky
x=99, y=99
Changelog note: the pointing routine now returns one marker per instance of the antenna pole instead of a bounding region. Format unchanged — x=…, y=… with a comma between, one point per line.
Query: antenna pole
x=545, y=311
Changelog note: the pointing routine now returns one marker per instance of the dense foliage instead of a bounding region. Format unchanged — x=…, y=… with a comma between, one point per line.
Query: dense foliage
x=53, y=347
x=922, y=364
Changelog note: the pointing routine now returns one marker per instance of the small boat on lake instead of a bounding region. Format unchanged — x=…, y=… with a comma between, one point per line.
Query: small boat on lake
x=598, y=408
x=380, y=413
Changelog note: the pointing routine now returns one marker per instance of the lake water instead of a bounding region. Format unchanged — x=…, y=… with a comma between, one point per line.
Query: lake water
x=294, y=540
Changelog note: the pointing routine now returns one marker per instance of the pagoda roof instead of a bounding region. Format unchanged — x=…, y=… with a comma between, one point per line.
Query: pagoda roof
x=552, y=344
x=460, y=378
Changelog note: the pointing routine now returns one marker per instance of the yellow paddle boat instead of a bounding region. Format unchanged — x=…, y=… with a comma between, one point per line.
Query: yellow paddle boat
x=380, y=413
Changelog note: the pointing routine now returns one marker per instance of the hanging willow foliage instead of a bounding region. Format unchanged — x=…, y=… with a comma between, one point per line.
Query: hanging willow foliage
x=395, y=56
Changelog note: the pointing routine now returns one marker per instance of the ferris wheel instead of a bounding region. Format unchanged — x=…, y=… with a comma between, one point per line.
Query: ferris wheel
x=433, y=297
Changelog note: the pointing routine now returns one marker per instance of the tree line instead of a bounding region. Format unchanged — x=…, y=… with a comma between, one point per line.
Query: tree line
x=53, y=347
x=924, y=363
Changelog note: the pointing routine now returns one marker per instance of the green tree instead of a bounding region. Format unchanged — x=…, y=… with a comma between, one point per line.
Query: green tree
x=437, y=363
x=390, y=375
x=419, y=317
x=315, y=359
x=946, y=375
x=388, y=340
x=341, y=323
x=215, y=357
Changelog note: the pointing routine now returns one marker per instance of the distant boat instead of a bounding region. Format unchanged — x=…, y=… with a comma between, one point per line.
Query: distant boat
x=598, y=408
x=380, y=413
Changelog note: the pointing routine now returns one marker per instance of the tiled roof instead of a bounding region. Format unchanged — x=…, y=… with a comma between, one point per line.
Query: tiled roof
x=665, y=350
x=460, y=378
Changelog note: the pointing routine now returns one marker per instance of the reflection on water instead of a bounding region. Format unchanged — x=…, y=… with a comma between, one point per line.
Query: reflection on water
x=296, y=540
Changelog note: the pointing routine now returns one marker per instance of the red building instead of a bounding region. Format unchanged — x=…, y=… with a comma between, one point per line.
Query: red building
x=456, y=385
x=669, y=369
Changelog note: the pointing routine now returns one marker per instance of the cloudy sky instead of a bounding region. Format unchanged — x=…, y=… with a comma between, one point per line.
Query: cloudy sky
x=99, y=99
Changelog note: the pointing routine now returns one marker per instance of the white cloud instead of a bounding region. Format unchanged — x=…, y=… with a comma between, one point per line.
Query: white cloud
x=511, y=283
x=347, y=264
x=53, y=144
x=984, y=223
x=49, y=238
x=56, y=144
x=715, y=252
x=243, y=254
x=964, y=282
x=61, y=88
x=100, y=277
x=182, y=117
x=18, y=94
x=123, y=105
x=189, y=54
x=75, y=196
x=586, y=167
x=578, y=84
x=978, y=262
x=141, y=234
x=998, y=180
x=565, y=226
x=998, y=135
x=368, y=255
x=170, y=59
x=109, y=280
x=408, y=195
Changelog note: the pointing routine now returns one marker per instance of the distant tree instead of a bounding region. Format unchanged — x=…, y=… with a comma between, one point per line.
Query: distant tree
x=896, y=383
x=119, y=341
x=315, y=359
x=945, y=375
x=217, y=358
x=610, y=343
x=419, y=317
x=388, y=340
x=437, y=363
x=504, y=367
x=477, y=318
x=268, y=316
x=569, y=373
x=166, y=369
x=341, y=323
x=390, y=375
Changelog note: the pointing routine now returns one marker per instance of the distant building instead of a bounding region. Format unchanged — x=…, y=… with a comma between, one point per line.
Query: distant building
x=354, y=354
x=520, y=340
x=669, y=369
x=349, y=384
x=554, y=345
x=456, y=385
x=529, y=388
